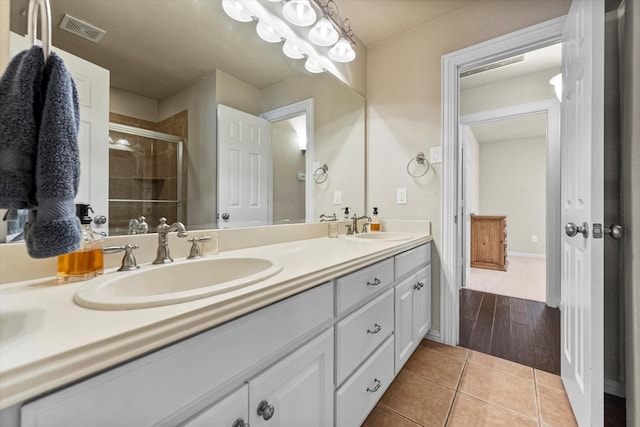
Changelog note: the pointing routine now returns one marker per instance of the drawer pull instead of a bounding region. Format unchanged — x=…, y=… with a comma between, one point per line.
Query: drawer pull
x=420, y=285
x=375, y=282
x=240, y=423
x=377, y=386
x=266, y=410
x=377, y=328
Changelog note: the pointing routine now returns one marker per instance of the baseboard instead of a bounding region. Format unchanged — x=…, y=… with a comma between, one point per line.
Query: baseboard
x=614, y=387
x=524, y=254
x=433, y=335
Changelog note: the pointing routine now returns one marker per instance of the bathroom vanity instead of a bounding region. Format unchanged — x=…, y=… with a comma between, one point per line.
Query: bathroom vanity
x=322, y=353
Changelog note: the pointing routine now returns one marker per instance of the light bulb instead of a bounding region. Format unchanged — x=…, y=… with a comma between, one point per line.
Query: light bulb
x=323, y=33
x=556, y=81
x=291, y=50
x=267, y=33
x=299, y=12
x=234, y=9
x=313, y=66
x=342, y=51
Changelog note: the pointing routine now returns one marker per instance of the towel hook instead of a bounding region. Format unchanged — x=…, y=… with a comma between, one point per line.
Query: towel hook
x=421, y=160
x=321, y=175
x=44, y=8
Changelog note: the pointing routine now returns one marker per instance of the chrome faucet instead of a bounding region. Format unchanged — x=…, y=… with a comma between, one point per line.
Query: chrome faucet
x=354, y=227
x=162, y=256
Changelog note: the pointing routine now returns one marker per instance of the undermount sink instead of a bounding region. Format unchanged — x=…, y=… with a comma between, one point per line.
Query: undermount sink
x=378, y=236
x=157, y=285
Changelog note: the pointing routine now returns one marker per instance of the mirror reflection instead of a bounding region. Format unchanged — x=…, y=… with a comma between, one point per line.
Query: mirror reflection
x=169, y=65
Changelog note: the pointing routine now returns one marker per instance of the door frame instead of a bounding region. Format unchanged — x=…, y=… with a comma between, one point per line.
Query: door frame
x=551, y=107
x=294, y=110
x=518, y=42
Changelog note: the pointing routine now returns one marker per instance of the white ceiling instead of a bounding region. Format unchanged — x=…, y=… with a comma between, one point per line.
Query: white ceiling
x=511, y=129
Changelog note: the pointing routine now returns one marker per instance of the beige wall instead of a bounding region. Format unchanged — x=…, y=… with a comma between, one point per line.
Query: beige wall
x=403, y=105
x=288, y=161
x=4, y=35
x=630, y=180
x=339, y=128
x=235, y=93
x=521, y=90
x=512, y=183
x=473, y=172
x=132, y=105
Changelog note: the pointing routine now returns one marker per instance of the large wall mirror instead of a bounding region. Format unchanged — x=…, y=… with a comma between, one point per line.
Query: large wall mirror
x=170, y=64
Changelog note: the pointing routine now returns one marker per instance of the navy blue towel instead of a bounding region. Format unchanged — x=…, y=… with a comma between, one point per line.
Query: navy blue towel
x=40, y=161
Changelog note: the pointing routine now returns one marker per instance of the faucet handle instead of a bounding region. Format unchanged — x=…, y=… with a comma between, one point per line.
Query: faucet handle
x=364, y=227
x=128, y=260
x=195, y=248
x=349, y=229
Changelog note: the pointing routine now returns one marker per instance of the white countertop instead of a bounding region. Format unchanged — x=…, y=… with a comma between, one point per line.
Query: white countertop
x=46, y=340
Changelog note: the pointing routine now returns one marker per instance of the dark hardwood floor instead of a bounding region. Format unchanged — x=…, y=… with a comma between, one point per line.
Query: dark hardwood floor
x=523, y=331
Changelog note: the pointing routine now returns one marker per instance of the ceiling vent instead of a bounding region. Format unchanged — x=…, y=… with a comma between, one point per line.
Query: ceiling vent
x=82, y=29
x=493, y=66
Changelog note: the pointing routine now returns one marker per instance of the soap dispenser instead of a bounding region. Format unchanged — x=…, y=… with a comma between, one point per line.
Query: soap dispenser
x=88, y=261
x=375, y=221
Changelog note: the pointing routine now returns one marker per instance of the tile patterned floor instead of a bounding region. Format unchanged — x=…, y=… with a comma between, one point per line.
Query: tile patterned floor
x=442, y=385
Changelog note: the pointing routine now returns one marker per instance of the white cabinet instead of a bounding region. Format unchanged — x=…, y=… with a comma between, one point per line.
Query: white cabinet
x=296, y=391
x=413, y=310
x=232, y=411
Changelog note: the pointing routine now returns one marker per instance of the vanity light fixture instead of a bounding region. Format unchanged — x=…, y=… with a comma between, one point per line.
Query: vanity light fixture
x=342, y=51
x=313, y=66
x=234, y=9
x=267, y=33
x=323, y=33
x=302, y=140
x=292, y=50
x=299, y=12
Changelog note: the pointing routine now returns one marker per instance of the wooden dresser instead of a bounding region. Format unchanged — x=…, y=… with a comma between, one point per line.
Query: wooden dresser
x=489, y=242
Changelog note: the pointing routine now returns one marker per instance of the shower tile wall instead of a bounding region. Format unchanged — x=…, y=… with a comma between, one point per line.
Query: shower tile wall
x=150, y=173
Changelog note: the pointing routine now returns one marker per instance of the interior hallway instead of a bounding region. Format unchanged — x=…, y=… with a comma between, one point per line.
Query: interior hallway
x=525, y=278
x=454, y=386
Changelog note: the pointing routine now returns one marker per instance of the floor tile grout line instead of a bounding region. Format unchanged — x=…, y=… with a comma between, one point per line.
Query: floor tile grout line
x=535, y=384
x=497, y=406
x=400, y=414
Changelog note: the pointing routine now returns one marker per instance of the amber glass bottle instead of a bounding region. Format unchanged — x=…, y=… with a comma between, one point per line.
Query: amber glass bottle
x=375, y=221
x=88, y=261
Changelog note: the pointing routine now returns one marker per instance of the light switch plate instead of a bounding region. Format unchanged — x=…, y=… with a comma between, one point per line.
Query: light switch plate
x=401, y=196
x=435, y=155
x=337, y=197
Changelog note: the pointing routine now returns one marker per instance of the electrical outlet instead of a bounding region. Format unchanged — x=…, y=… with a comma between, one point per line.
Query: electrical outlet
x=435, y=155
x=301, y=176
x=401, y=196
x=337, y=197
x=534, y=238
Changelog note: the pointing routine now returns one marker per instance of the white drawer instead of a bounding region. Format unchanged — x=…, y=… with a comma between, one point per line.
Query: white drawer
x=412, y=259
x=225, y=412
x=361, y=284
x=362, y=332
x=356, y=398
x=163, y=382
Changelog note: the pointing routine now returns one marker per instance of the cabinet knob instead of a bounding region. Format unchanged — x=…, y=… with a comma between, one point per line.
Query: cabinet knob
x=375, y=282
x=377, y=328
x=376, y=387
x=240, y=423
x=265, y=410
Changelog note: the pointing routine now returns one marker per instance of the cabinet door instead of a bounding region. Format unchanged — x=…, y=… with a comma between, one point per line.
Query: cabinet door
x=404, y=330
x=232, y=411
x=422, y=303
x=298, y=390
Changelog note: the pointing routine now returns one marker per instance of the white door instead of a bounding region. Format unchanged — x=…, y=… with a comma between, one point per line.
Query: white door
x=92, y=83
x=244, y=169
x=298, y=390
x=581, y=302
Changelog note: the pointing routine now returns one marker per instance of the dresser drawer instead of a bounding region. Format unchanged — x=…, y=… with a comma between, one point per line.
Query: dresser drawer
x=357, y=286
x=412, y=259
x=356, y=398
x=362, y=332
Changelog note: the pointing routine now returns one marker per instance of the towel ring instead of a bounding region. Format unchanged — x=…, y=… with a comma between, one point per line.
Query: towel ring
x=321, y=175
x=44, y=8
x=421, y=160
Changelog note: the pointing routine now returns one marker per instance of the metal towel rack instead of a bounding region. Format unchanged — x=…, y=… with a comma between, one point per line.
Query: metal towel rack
x=321, y=174
x=44, y=8
x=421, y=160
